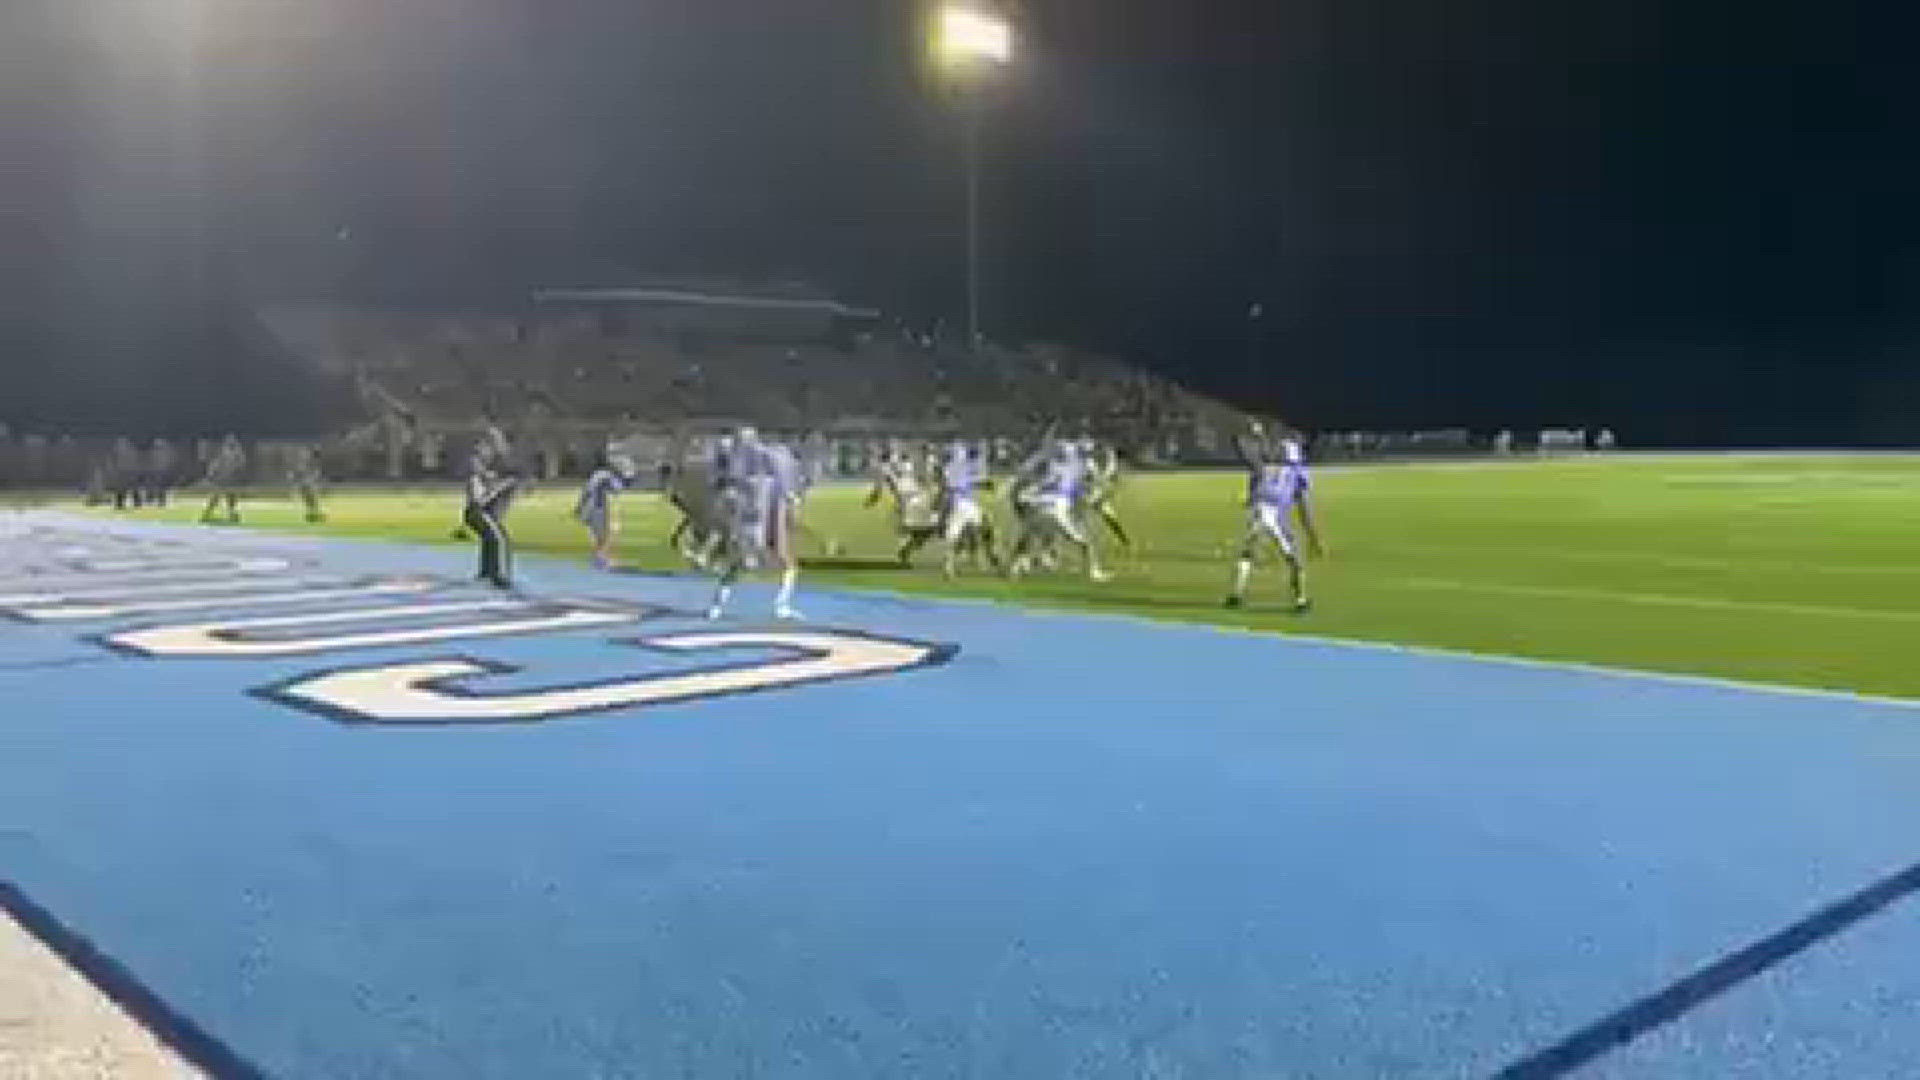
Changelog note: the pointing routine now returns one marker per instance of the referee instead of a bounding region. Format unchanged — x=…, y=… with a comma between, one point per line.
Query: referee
x=490, y=490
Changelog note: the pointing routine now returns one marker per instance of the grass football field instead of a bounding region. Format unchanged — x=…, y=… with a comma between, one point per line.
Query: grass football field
x=1797, y=570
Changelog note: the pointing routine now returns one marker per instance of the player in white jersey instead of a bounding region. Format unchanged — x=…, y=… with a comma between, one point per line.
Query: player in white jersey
x=756, y=500
x=1278, y=487
x=594, y=508
x=964, y=525
x=800, y=469
x=1053, y=485
x=916, y=510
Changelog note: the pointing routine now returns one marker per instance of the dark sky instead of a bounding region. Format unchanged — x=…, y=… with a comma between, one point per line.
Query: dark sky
x=1693, y=221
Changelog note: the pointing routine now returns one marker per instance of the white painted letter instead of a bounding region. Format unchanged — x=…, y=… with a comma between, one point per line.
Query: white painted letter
x=416, y=692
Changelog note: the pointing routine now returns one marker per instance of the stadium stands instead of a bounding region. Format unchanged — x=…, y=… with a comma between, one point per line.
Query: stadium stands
x=571, y=371
x=586, y=365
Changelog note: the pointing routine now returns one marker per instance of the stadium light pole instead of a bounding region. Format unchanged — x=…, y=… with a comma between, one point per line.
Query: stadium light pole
x=972, y=43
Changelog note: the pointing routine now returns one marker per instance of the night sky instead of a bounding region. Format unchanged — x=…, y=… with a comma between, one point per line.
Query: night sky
x=1692, y=221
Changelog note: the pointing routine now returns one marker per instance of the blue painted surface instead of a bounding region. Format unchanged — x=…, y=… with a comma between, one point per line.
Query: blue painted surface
x=1085, y=847
x=1846, y=1010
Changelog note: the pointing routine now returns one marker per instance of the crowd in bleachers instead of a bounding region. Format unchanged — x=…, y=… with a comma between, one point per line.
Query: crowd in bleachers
x=588, y=367
x=569, y=381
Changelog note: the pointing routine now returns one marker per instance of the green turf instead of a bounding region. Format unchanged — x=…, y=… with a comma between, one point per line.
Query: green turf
x=1797, y=570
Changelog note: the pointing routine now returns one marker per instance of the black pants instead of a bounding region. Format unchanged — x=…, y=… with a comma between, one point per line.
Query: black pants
x=220, y=495
x=496, y=548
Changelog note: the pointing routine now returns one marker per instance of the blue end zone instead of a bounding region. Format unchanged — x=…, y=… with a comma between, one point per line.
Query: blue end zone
x=1081, y=847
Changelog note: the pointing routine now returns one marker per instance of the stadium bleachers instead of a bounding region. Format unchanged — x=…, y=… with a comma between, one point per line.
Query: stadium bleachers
x=570, y=379
x=623, y=366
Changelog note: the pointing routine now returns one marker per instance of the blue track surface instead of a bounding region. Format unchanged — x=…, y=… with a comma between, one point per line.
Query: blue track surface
x=1078, y=847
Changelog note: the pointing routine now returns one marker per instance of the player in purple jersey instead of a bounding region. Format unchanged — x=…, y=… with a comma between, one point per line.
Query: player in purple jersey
x=786, y=488
x=1053, y=485
x=799, y=471
x=965, y=526
x=1278, y=487
x=756, y=503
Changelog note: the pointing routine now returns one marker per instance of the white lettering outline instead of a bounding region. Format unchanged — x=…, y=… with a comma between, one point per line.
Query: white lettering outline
x=426, y=693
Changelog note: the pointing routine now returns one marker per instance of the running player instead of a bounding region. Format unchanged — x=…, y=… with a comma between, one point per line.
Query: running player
x=1042, y=543
x=690, y=491
x=1103, y=484
x=755, y=507
x=799, y=470
x=1277, y=487
x=594, y=508
x=915, y=511
x=786, y=490
x=1055, y=483
x=965, y=525
x=223, y=480
x=1023, y=497
x=688, y=481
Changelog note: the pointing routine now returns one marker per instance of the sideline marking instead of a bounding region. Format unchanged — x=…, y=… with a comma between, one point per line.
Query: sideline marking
x=345, y=590
x=1041, y=607
x=1617, y=1029
x=222, y=638
x=40, y=585
x=95, y=590
x=260, y=564
x=88, y=1015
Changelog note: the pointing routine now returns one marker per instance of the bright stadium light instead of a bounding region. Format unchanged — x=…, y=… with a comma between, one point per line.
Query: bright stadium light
x=969, y=36
x=970, y=43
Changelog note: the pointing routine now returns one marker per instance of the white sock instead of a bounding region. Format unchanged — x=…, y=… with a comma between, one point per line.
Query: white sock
x=721, y=595
x=788, y=578
x=1241, y=571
